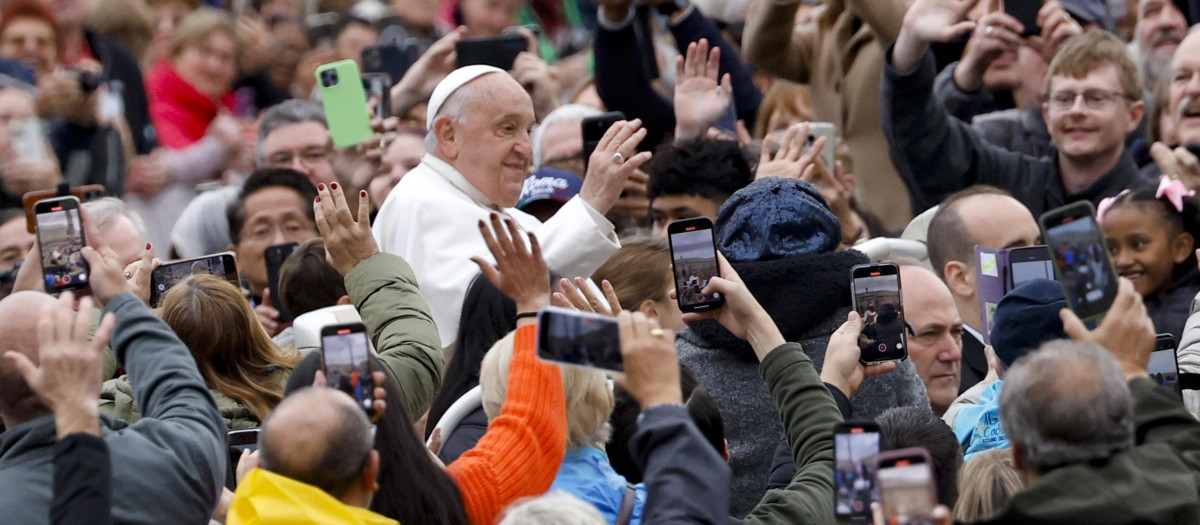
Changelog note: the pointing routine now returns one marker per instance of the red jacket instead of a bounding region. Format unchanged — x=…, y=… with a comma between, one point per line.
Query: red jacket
x=179, y=112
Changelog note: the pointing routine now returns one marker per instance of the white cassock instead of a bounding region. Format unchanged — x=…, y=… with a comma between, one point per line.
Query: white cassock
x=431, y=219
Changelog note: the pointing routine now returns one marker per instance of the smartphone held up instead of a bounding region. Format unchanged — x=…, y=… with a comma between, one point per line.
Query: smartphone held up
x=571, y=337
x=694, y=263
x=61, y=241
x=1081, y=259
x=878, y=302
x=346, y=353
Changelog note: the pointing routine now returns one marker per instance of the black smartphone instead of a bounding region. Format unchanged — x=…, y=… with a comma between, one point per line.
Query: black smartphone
x=61, y=241
x=878, y=301
x=694, y=262
x=855, y=446
x=239, y=440
x=346, y=353
x=1081, y=259
x=377, y=87
x=497, y=51
x=1164, y=363
x=907, y=488
x=1025, y=11
x=1029, y=263
x=577, y=338
x=171, y=273
x=274, y=257
x=594, y=129
x=391, y=58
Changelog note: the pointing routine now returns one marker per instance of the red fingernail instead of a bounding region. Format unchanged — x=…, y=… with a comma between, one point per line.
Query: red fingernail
x=318, y=198
x=362, y=193
x=148, y=246
x=333, y=185
x=321, y=186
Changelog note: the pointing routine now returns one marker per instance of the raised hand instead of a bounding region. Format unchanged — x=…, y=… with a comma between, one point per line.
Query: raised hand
x=1057, y=26
x=138, y=273
x=792, y=161
x=347, y=241
x=107, y=279
x=996, y=33
x=741, y=314
x=418, y=82
x=651, y=364
x=699, y=99
x=520, y=270
x=929, y=21
x=1126, y=331
x=612, y=163
x=842, y=367
x=579, y=296
x=1177, y=163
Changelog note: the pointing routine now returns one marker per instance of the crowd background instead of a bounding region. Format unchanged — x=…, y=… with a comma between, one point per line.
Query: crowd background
x=478, y=199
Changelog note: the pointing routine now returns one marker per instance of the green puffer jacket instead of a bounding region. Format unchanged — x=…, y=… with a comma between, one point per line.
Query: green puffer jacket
x=117, y=401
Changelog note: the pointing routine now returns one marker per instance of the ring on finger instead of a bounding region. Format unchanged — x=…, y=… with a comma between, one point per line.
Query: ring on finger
x=128, y=275
x=618, y=158
x=657, y=332
x=987, y=30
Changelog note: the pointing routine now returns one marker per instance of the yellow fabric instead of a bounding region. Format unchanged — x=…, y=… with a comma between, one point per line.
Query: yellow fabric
x=264, y=498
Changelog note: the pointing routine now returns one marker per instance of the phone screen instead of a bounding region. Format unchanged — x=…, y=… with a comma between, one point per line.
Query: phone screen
x=1023, y=272
x=1081, y=256
x=60, y=239
x=170, y=274
x=906, y=491
x=694, y=260
x=853, y=475
x=1164, y=365
x=576, y=338
x=348, y=363
x=376, y=87
x=877, y=300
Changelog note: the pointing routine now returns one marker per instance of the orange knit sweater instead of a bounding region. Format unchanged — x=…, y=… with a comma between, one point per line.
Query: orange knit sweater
x=520, y=454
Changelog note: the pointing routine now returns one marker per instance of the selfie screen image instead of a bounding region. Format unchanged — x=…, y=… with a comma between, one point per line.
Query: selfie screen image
x=878, y=302
x=583, y=341
x=906, y=493
x=695, y=263
x=171, y=275
x=853, y=475
x=346, y=366
x=1082, y=260
x=1162, y=369
x=61, y=238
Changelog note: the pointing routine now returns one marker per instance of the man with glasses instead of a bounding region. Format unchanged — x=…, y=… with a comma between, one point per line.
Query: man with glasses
x=1093, y=100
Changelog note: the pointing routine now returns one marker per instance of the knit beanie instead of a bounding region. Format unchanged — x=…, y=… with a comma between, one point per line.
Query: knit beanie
x=774, y=218
x=1026, y=318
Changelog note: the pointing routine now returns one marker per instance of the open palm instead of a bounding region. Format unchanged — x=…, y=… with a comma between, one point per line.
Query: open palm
x=939, y=20
x=699, y=99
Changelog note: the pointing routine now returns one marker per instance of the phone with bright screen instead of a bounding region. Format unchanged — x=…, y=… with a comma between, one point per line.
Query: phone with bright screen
x=694, y=263
x=171, y=273
x=61, y=241
x=907, y=489
x=578, y=338
x=1080, y=259
x=855, y=446
x=877, y=300
x=346, y=352
x=1029, y=263
x=1164, y=363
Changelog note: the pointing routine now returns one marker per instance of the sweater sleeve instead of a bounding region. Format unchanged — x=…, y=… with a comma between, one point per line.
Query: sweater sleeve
x=809, y=414
x=623, y=84
x=384, y=291
x=520, y=454
x=82, y=481
x=686, y=480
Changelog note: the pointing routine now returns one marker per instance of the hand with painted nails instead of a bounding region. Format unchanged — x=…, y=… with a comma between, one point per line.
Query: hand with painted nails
x=107, y=279
x=610, y=166
x=520, y=271
x=347, y=241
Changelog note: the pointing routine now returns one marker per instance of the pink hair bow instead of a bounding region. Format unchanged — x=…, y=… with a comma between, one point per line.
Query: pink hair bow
x=1174, y=191
x=1107, y=203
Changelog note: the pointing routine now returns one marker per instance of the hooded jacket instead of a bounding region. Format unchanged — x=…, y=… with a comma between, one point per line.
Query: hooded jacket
x=1169, y=309
x=265, y=497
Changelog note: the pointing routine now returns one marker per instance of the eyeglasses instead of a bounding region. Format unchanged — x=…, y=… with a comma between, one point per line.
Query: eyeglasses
x=1092, y=98
x=291, y=229
x=308, y=157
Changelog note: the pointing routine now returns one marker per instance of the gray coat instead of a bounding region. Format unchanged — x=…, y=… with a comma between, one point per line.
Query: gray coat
x=168, y=467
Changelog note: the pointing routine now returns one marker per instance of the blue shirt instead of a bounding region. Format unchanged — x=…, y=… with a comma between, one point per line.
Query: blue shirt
x=586, y=474
x=977, y=427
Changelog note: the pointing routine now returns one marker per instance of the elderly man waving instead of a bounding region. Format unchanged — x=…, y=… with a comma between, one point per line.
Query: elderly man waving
x=479, y=155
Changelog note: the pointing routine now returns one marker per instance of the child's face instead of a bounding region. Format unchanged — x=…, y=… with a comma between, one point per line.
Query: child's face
x=1144, y=248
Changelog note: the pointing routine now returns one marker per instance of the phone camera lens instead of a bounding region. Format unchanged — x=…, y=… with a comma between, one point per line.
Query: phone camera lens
x=329, y=78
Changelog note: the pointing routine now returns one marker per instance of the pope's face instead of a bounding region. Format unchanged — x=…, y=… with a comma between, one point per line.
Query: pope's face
x=494, y=150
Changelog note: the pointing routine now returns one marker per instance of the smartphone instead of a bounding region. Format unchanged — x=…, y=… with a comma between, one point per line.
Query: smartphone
x=497, y=51
x=577, y=338
x=878, y=301
x=171, y=273
x=1029, y=263
x=347, y=357
x=694, y=263
x=829, y=131
x=907, y=489
x=594, y=129
x=391, y=58
x=239, y=440
x=85, y=193
x=1025, y=11
x=61, y=241
x=1081, y=259
x=377, y=87
x=27, y=139
x=274, y=256
x=855, y=446
x=1164, y=363
x=345, y=103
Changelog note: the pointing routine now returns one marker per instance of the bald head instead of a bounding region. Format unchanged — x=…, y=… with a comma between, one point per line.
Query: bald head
x=935, y=345
x=319, y=437
x=19, y=314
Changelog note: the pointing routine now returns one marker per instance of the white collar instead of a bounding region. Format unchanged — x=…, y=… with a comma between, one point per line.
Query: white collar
x=457, y=180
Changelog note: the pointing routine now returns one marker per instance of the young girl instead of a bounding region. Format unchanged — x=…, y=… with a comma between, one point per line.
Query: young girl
x=1151, y=235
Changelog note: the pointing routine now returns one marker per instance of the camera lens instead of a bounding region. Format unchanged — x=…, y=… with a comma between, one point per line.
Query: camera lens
x=329, y=78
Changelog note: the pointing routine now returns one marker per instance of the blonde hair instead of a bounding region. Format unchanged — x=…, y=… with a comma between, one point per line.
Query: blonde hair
x=985, y=484
x=1093, y=50
x=235, y=355
x=783, y=96
x=589, y=400
x=640, y=271
x=198, y=25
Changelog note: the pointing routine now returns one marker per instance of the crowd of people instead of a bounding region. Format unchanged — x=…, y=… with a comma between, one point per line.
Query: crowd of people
x=481, y=195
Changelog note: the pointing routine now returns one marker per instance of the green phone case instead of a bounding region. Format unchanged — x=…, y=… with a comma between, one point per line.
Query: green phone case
x=345, y=103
